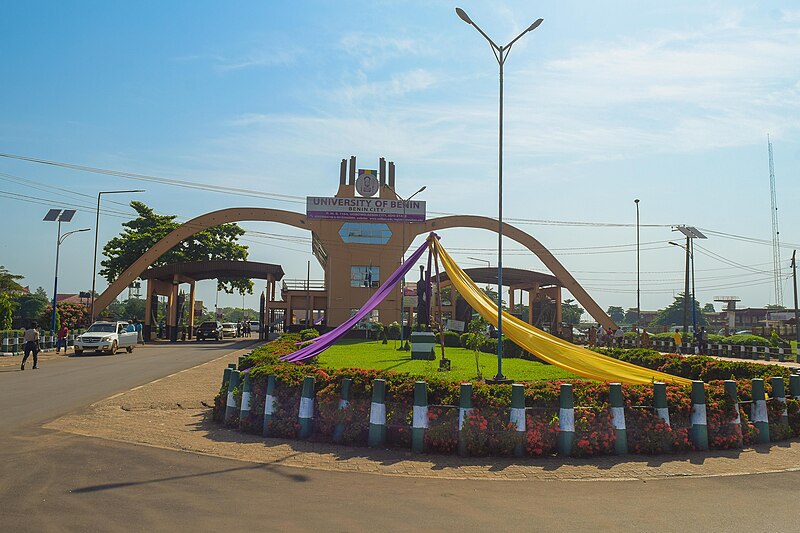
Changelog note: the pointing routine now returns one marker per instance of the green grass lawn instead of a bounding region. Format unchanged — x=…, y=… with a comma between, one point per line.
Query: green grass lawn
x=352, y=353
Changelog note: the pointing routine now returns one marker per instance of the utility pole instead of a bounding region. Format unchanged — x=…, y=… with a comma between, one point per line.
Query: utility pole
x=796, y=314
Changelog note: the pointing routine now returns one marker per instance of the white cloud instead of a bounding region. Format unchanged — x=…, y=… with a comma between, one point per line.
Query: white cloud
x=372, y=50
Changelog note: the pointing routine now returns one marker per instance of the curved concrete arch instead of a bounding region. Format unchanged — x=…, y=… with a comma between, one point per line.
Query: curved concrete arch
x=549, y=260
x=186, y=230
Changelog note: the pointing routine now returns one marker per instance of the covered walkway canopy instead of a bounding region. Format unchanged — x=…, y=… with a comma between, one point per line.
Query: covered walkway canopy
x=165, y=280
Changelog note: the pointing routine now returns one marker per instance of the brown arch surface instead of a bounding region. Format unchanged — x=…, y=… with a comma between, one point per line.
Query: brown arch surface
x=549, y=260
x=186, y=230
x=297, y=220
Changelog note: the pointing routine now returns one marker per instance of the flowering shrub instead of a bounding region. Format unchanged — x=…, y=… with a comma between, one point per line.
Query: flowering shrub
x=487, y=430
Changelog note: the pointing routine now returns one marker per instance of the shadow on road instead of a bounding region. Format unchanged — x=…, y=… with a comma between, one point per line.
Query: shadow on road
x=299, y=478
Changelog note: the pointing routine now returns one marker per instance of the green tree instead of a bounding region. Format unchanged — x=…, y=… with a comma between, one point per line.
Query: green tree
x=616, y=314
x=8, y=281
x=571, y=313
x=673, y=314
x=7, y=306
x=30, y=306
x=709, y=308
x=141, y=233
x=775, y=306
x=631, y=316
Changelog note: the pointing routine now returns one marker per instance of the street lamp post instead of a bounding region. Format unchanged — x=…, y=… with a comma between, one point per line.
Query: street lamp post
x=691, y=233
x=638, y=281
x=488, y=263
x=96, y=234
x=796, y=312
x=500, y=54
x=403, y=245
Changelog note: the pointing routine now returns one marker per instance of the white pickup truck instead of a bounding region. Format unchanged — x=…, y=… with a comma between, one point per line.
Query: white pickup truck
x=106, y=337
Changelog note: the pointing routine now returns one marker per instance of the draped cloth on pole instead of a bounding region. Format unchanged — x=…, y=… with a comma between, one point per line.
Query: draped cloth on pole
x=325, y=341
x=558, y=352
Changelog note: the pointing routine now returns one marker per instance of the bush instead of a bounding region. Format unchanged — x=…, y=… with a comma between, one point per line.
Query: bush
x=393, y=331
x=463, y=340
x=308, y=334
x=452, y=339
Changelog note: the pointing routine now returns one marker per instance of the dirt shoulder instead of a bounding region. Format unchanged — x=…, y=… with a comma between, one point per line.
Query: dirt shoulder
x=173, y=413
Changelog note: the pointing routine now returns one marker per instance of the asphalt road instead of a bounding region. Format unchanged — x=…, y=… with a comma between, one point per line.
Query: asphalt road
x=51, y=481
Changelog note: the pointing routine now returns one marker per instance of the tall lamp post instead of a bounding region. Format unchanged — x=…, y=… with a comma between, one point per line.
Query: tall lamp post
x=691, y=233
x=96, y=233
x=796, y=312
x=500, y=54
x=403, y=245
x=638, y=281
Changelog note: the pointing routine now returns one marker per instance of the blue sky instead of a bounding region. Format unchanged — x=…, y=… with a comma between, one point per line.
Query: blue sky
x=605, y=102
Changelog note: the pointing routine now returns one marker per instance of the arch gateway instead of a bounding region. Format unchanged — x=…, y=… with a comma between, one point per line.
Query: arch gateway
x=359, y=237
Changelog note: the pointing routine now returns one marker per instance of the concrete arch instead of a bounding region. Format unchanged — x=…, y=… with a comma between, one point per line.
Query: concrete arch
x=297, y=220
x=549, y=260
x=186, y=230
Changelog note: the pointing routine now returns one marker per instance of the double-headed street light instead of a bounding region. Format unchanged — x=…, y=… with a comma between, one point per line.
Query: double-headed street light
x=96, y=233
x=500, y=54
x=638, y=282
x=691, y=233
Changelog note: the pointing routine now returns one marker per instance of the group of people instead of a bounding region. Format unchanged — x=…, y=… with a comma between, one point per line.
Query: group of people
x=243, y=328
x=614, y=337
x=605, y=337
x=135, y=326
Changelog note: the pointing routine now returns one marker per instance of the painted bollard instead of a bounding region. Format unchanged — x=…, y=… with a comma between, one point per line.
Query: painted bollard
x=226, y=376
x=794, y=386
x=660, y=401
x=269, y=404
x=758, y=411
x=305, y=413
x=230, y=406
x=618, y=418
x=517, y=417
x=699, y=431
x=733, y=396
x=779, y=394
x=377, y=415
x=420, y=417
x=344, y=401
x=464, y=411
x=244, y=411
x=566, y=419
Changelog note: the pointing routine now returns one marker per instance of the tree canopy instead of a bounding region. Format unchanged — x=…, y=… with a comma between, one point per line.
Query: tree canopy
x=571, y=312
x=143, y=232
x=8, y=281
x=616, y=313
x=673, y=315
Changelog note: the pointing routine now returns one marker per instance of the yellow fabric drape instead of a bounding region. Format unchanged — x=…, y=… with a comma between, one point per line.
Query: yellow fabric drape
x=558, y=352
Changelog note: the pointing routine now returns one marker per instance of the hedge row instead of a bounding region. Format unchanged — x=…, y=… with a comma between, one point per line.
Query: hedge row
x=488, y=429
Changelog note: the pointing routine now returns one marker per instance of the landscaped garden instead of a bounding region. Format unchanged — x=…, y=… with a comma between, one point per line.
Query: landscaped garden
x=369, y=393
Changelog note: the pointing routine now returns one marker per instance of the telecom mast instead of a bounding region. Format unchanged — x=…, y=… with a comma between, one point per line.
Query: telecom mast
x=776, y=234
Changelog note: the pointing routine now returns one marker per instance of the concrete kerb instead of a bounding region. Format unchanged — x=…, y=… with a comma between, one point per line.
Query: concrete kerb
x=182, y=430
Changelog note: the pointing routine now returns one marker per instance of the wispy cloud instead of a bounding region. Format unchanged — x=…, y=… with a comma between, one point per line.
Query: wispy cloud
x=372, y=50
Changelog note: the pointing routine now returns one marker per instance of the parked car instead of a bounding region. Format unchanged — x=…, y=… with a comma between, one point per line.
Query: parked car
x=106, y=337
x=209, y=330
x=229, y=329
x=255, y=327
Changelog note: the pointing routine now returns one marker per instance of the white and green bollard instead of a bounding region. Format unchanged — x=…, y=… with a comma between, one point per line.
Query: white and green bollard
x=230, y=406
x=779, y=394
x=464, y=411
x=377, y=415
x=305, y=413
x=244, y=411
x=566, y=420
x=660, y=401
x=733, y=395
x=618, y=418
x=758, y=411
x=344, y=401
x=794, y=386
x=517, y=417
x=226, y=375
x=699, y=432
x=420, y=417
x=269, y=404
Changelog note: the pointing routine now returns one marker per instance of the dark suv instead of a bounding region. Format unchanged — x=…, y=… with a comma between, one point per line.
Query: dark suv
x=209, y=330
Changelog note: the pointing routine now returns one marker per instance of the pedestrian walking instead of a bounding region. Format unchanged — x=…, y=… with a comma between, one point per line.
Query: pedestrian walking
x=592, y=337
x=139, y=334
x=62, y=339
x=702, y=339
x=645, y=338
x=619, y=336
x=31, y=345
x=678, y=339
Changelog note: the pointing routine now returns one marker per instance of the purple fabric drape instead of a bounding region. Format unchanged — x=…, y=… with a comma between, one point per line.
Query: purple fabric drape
x=325, y=341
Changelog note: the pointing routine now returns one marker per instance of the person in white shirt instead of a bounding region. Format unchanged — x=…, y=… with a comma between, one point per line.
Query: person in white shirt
x=31, y=345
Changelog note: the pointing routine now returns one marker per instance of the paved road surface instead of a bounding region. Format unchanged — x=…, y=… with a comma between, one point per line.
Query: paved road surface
x=51, y=481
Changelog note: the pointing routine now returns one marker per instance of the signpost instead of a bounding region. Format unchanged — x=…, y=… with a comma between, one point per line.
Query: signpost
x=384, y=210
